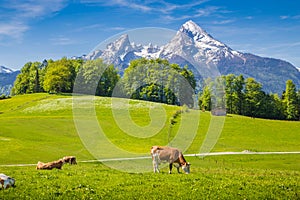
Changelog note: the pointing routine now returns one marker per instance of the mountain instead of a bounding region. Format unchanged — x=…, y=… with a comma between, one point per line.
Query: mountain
x=209, y=56
x=5, y=70
x=7, y=79
x=121, y=52
x=205, y=56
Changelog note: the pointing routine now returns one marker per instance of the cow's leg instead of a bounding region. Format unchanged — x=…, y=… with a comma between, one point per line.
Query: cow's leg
x=156, y=162
x=155, y=166
x=2, y=183
x=170, y=167
x=178, y=168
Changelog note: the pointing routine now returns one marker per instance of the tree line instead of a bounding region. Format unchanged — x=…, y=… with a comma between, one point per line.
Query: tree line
x=59, y=76
x=152, y=80
x=246, y=97
x=159, y=81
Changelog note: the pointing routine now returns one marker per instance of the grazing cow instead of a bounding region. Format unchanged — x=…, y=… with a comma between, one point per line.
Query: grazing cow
x=70, y=159
x=6, y=181
x=50, y=165
x=171, y=155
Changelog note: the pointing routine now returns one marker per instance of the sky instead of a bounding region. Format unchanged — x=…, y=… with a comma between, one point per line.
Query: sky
x=51, y=29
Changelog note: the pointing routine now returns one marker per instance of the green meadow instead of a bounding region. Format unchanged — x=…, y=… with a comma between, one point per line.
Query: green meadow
x=41, y=127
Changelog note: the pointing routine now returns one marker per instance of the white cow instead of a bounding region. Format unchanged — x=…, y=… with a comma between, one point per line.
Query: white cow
x=6, y=181
x=171, y=155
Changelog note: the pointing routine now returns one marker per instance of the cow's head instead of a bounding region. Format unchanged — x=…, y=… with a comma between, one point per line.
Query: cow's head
x=12, y=182
x=186, y=168
x=8, y=182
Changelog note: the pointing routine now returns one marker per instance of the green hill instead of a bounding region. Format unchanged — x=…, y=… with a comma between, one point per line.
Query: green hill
x=41, y=127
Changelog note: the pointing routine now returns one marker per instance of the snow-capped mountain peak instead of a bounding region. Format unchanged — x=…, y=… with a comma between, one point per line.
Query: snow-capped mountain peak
x=121, y=44
x=204, y=55
x=5, y=70
x=192, y=29
x=194, y=44
x=116, y=51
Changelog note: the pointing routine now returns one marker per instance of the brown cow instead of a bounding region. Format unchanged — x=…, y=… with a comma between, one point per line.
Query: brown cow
x=6, y=181
x=70, y=159
x=50, y=165
x=171, y=155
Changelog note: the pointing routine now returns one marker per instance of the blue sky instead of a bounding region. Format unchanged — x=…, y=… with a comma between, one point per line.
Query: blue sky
x=44, y=29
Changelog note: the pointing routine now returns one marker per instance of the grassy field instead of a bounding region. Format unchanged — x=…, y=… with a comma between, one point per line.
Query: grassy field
x=40, y=127
x=208, y=180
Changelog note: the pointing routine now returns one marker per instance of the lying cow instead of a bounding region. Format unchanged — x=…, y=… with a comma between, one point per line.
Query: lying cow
x=6, y=181
x=50, y=165
x=70, y=159
x=171, y=155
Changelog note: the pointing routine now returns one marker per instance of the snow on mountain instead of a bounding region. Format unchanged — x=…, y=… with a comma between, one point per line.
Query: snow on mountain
x=117, y=49
x=122, y=51
x=147, y=51
x=208, y=48
x=195, y=47
x=7, y=78
x=204, y=55
x=5, y=70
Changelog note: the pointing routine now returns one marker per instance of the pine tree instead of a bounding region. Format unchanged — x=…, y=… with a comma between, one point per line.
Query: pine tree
x=253, y=97
x=239, y=83
x=205, y=99
x=291, y=101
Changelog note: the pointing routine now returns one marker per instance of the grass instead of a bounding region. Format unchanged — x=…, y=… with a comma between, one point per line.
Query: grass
x=209, y=180
x=41, y=127
x=243, y=133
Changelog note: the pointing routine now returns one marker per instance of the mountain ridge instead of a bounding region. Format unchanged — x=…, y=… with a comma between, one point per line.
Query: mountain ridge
x=205, y=56
x=7, y=78
x=4, y=69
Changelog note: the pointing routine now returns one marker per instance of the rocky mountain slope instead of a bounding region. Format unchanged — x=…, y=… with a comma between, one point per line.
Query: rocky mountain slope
x=7, y=78
x=206, y=56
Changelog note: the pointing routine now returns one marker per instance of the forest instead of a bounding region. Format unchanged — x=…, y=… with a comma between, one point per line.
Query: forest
x=158, y=80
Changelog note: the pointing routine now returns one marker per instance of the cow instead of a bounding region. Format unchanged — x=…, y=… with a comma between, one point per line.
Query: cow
x=50, y=165
x=6, y=181
x=70, y=159
x=171, y=155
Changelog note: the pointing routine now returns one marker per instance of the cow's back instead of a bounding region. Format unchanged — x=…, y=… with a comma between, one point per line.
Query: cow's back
x=168, y=154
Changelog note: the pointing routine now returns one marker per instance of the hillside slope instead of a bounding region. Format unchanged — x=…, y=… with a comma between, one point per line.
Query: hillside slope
x=7, y=79
x=34, y=126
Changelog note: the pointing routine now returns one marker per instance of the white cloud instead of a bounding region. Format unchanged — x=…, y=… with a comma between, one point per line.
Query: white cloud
x=117, y=28
x=284, y=45
x=12, y=29
x=284, y=17
x=170, y=18
x=61, y=40
x=167, y=8
x=100, y=27
x=221, y=22
x=28, y=9
x=119, y=3
x=217, y=12
x=154, y=6
x=211, y=11
x=19, y=13
x=89, y=27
